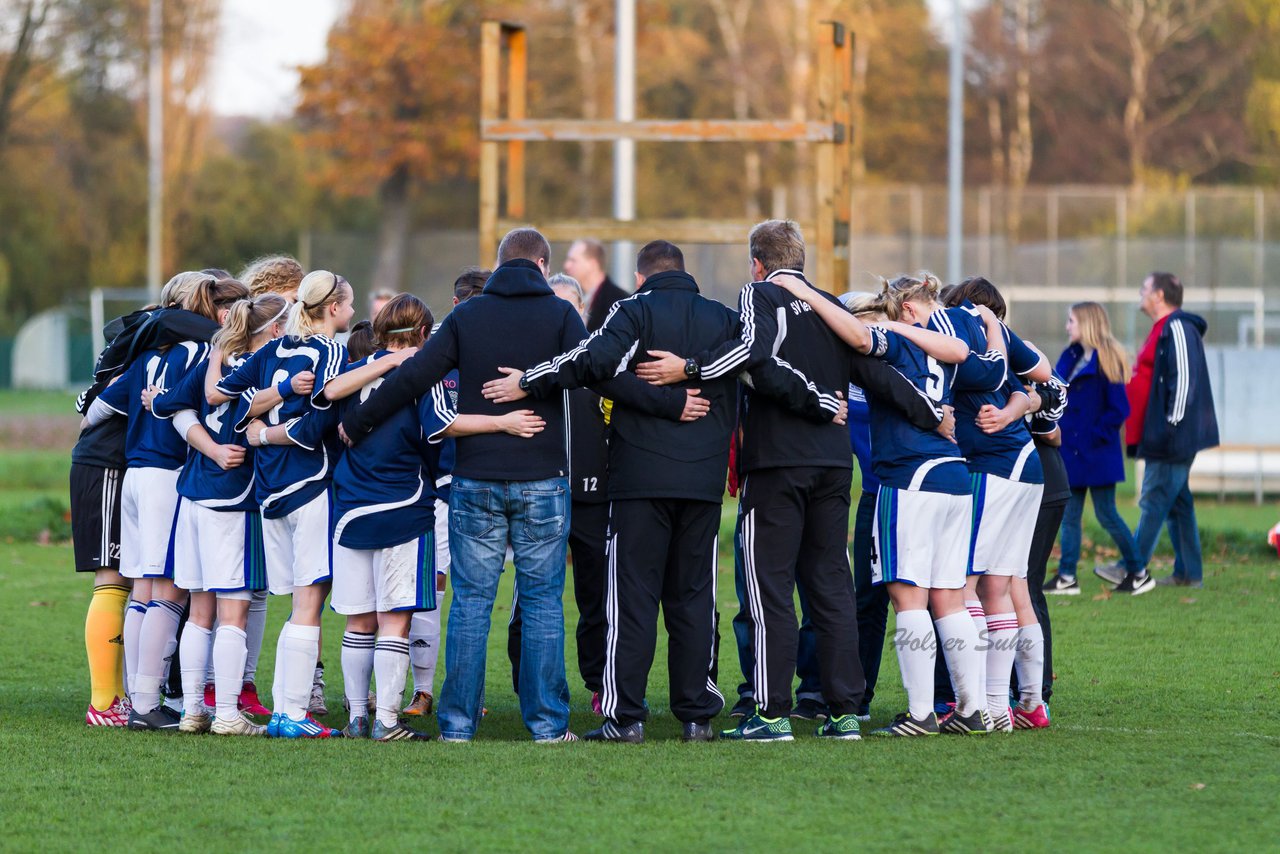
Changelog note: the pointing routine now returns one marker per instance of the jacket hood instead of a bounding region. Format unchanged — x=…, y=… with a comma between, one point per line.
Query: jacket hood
x=670, y=280
x=1195, y=320
x=518, y=278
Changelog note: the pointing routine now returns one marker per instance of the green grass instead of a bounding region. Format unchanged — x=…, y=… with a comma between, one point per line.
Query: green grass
x=31, y=402
x=1166, y=734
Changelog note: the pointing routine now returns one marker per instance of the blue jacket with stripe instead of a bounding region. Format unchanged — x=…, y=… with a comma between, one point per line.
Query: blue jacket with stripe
x=1181, y=420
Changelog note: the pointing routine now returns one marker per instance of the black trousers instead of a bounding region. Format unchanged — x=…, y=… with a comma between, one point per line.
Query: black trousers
x=588, y=535
x=662, y=553
x=793, y=524
x=873, y=599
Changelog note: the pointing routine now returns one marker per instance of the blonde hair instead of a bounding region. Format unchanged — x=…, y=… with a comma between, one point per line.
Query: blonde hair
x=924, y=287
x=272, y=274
x=212, y=295
x=318, y=290
x=1095, y=334
x=246, y=320
x=864, y=305
x=177, y=290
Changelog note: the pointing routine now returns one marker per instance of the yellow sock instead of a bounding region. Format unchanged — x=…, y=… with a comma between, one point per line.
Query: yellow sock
x=104, y=642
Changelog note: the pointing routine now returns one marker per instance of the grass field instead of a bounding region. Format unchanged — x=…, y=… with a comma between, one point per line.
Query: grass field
x=1166, y=736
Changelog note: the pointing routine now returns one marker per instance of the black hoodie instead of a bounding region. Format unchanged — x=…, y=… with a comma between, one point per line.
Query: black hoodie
x=517, y=320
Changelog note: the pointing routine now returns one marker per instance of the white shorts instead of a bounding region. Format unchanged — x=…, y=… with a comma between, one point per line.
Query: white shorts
x=299, y=547
x=921, y=538
x=218, y=550
x=148, y=501
x=398, y=578
x=1004, y=520
x=442, y=537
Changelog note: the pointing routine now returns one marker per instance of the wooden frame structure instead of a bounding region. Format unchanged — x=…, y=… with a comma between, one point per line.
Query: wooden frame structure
x=831, y=133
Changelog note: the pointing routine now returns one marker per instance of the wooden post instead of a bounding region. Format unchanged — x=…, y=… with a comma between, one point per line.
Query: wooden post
x=842, y=248
x=517, y=106
x=825, y=172
x=490, y=62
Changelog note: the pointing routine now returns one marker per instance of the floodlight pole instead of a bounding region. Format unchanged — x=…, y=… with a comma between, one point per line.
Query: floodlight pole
x=155, y=150
x=624, y=150
x=955, y=148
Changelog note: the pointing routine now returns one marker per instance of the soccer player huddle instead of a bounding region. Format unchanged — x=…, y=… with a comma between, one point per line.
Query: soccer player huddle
x=233, y=448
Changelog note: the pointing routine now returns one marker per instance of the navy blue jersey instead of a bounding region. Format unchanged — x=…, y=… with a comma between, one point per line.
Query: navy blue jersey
x=289, y=476
x=152, y=442
x=860, y=436
x=384, y=489
x=448, y=447
x=983, y=368
x=203, y=480
x=902, y=455
x=1009, y=453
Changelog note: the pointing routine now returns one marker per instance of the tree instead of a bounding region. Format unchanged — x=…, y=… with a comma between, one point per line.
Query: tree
x=21, y=58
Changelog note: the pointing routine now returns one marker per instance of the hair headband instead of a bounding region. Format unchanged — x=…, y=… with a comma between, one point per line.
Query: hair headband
x=267, y=325
x=311, y=307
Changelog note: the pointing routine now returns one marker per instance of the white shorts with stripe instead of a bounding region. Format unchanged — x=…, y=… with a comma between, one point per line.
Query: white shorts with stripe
x=148, y=502
x=921, y=538
x=442, y=537
x=398, y=578
x=299, y=546
x=1004, y=521
x=218, y=550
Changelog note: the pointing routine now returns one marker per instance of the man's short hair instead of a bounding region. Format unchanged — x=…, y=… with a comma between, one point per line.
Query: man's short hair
x=470, y=283
x=526, y=243
x=1169, y=287
x=778, y=245
x=659, y=256
x=593, y=249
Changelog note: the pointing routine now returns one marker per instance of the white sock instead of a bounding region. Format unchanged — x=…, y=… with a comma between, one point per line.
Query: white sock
x=277, y=678
x=357, y=670
x=133, y=616
x=424, y=649
x=255, y=629
x=213, y=633
x=1002, y=633
x=916, y=644
x=1029, y=662
x=391, y=663
x=979, y=617
x=959, y=641
x=301, y=649
x=229, y=650
x=194, y=648
x=157, y=639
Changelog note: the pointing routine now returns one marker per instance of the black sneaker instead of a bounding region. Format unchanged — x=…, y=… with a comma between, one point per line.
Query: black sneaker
x=810, y=709
x=1136, y=584
x=1062, y=585
x=698, y=731
x=160, y=719
x=399, y=732
x=978, y=723
x=745, y=707
x=905, y=726
x=632, y=733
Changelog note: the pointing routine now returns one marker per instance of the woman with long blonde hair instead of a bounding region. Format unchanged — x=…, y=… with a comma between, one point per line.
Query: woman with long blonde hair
x=1096, y=369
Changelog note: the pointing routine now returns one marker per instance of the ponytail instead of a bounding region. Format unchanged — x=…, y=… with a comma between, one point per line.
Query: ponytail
x=896, y=291
x=212, y=295
x=246, y=320
x=319, y=290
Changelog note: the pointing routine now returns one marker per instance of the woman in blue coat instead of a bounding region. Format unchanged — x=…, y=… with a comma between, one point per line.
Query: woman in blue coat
x=1096, y=369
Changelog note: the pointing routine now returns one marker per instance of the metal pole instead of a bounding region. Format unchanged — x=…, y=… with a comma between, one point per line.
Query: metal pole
x=155, y=151
x=624, y=150
x=955, y=148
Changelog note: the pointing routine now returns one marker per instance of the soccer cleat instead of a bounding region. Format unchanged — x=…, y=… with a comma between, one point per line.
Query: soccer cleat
x=210, y=696
x=1136, y=584
x=632, y=733
x=195, y=724
x=1037, y=718
x=745, y=707
x=905, y=726
x=316, y=705
x=423, y=704
x=287, y=727
x=116, y=714
x=698, y=731
x=239, y=725
x=1002, y=722
x=160, y=719
x=1111, y=572
x=759, y=728
x=843, y=727
x=810, y=709
x=357, y=727
x=978, y=723
x=597, y=703
x=399, y=732
x=273, y=725
x=943, y=711
x=249, y=703
x=1062, y=585
x=563, y=738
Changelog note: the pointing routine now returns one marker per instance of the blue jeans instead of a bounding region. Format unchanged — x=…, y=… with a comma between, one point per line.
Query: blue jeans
x=483, y=517
x=1104, y=507
x=1166, y=497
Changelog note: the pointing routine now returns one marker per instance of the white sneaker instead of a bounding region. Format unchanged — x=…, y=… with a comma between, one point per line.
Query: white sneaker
x=196, y=723
x=1111, y=572
x=239, y=725
x=559, y=739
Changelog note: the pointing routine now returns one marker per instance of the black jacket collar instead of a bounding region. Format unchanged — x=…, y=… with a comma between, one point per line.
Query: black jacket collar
x=671, y=280
x=518, y=278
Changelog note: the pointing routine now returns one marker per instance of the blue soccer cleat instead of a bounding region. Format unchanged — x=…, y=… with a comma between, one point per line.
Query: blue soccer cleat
x=287, y=727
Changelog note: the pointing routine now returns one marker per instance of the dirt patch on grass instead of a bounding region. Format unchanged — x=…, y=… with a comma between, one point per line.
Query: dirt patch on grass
x=38, y=432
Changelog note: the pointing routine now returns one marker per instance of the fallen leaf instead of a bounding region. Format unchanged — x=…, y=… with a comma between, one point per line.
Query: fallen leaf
x=1195, y=787
x=41, y=604
x=1188, y=600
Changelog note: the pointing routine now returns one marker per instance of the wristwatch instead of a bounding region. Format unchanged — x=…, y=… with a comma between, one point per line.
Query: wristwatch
x=691, y=369
x=524, y=382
